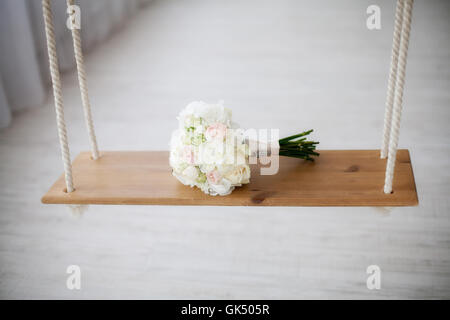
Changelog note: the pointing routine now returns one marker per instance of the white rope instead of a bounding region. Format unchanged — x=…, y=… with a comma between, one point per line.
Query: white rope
x=392, y=78
x=398, y=98
x=83, y=85
x=57, y=93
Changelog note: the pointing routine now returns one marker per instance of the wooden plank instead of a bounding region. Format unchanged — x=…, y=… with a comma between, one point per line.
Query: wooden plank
x=336, y=178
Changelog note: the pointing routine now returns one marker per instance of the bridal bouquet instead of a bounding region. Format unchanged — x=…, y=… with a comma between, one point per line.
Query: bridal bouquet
x=210, y=152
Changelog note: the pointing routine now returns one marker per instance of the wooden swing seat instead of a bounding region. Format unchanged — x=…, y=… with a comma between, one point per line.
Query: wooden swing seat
x=336, y=178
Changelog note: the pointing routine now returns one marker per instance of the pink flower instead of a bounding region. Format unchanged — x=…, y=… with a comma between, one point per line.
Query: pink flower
x=213, y=177
x=188, y=155
x=216, y=131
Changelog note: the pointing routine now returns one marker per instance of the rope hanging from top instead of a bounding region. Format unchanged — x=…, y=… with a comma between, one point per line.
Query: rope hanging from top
x=57, y=93
x=392, y=78
x=398, y=94
x=83, y=82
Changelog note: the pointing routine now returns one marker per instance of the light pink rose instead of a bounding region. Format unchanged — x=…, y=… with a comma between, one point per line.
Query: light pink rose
x=213, y=177
x=216, y=131
x=188, y=155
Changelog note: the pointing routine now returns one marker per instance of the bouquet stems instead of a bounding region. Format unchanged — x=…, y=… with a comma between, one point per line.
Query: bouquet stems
x=297, y=146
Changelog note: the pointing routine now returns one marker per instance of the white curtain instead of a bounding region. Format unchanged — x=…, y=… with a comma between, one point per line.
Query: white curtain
x=24, y=75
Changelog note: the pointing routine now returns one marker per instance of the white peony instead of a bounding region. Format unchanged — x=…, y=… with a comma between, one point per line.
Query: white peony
x=209, y=113
x=239, y=175
x=191, y=173
x=223, y=188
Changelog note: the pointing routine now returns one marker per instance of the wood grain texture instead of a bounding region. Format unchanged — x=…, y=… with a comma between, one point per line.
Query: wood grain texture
x=336, y=178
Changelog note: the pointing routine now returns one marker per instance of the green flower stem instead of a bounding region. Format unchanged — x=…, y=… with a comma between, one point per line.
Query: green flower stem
x=297, y=147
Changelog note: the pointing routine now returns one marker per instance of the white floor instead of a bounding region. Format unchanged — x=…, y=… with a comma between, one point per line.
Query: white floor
x=279, y=64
